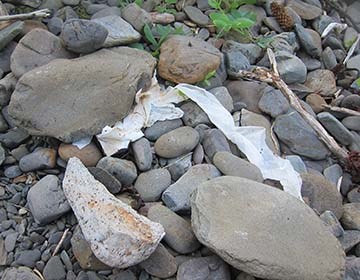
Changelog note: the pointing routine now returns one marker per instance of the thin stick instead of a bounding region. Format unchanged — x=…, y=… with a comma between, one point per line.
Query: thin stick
x=60, y=242
x=36, y=14
x=342, y=110
x=274, y=78
x=38, y=274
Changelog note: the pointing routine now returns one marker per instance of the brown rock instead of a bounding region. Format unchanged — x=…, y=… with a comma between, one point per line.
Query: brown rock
x=316, y=101
x=187, y=60
x=89, y=155
x=321, y=195
x=321, y=81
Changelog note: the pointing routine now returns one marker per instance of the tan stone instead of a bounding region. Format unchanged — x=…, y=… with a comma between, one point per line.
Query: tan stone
x=187, y=60
x=89, y=155
x=316, y=101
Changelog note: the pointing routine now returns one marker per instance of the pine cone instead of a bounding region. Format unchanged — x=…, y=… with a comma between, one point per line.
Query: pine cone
x=283, y=18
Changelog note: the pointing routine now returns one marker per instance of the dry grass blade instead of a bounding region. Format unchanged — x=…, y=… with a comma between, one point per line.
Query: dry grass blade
x=60, y=242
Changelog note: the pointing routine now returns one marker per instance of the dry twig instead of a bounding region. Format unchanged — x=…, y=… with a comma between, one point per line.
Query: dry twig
x=36, y=14
x=60, y=242
x=341, y=110
x=273, y=77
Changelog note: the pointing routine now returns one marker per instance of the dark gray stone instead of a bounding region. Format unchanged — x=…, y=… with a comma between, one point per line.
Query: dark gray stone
x=109, y=181
x=42, y=158
x=28, y=258
x=83, y=36
x=13, y=137
x=215, y=141
x=329, y=59
x=273, y=102
x=10, y=241
x=9, y=33
x=55, y=25
x=12, y=171
x=196, y=15
x=136, y=16
x=291, y=68
x=46, y=200
x=310, y=40
x=142, y=154
x=193, y=114
x=352, y=122
x=19, y=273
x=349, y=239
x=161, y=127
x=352, y=267
x=54, y=269
x=332, y=223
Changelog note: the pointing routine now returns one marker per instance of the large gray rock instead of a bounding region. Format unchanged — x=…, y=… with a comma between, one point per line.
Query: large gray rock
x=47, y=201
x=36, y=48
x=71, y=99
x=177, y=196
x=299, y=136
x=117, y=234
x=264, y=231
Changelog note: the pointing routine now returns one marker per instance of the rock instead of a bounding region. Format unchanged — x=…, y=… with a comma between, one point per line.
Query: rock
x=352, y=122
x=83, y=36
x=352, y=264
x=350, y=239
x=321, y=195
x=222, y=94
x=304, y=10
x=42, y=158
x=13, y=137
x=291, y=68
x=251, y=51
x=46, y=200
x=5, y=61
x=353, y=63
x=109, y=11
x=177, y=196
x=150, y=185
x=12, y=171
x=333, y=173
x=178, y=166
x=122, y=169
x=117, y=235
x=354, y=195
x=55, y=25
x=196, y=15
x=136, y=16
x=10, y=241
x=285, y=41
x=54, y=269
x=335, y=128
x=264, y=239
x=111, y=98
x=310, y=63
x=193, y=114
x=160, y=264
x=3, y=253
x=8, y=33
x=297, y=163
x=89, y=155
x=248, y=92
x=329, y=58
x=179, y=235
x=187, y=60
x=332, y=223
x=316, y=102
x=321, y=81
x=215, y=141
x=235, y=60
x=232, y=165
x=161, y=127
x=19, y=273
x=351, y=101
x=249, y=118
x=142, y=154
x=83, y=253
x=211, y=267
x=112, y=184
x=36, y=48
x=273, y=102
x=272, y=23
x=119, y=31
x=351, y=217
x=310, y=40
x=177, y=142
x=28, y=258
x=299, y=136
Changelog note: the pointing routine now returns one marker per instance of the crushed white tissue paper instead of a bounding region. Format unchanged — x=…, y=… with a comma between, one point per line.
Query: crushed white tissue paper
x=82, y=143
x=155, y=105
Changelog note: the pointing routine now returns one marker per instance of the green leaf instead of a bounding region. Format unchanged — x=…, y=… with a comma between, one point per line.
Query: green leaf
x=137, y=46
x=358, y=82
x=170, y=1
x=215, y=4
x=139, y=2
x=149, y=36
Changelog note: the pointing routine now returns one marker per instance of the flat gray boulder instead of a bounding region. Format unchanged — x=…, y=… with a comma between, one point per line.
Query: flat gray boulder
x=71, y=99
x=264, y=231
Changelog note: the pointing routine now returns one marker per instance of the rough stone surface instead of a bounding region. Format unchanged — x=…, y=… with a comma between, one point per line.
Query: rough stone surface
x=119, y=31
x=151, y=184
x=310, y=40
x=299, y=136
x=177, y=196
x=89, y=155
x=177, y=142
x=321, y=81
x=178, y=52
x=179, y=235
x=100, y=89
x=54, y=269
x=305, y=10
x=19, y=273
x=351, y=217
x=83, y=36
x=273, y=102
x=291, y=68
x=320, y=194
x=136, y=16
x=122, y=169
x=127, y=238
x=36, y=48
x=160, y=264
x=264, y=231
x=42, y=158
x=232, y=165
x=47, y=201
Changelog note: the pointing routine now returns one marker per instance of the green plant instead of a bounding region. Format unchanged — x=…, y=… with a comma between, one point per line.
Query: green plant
x=208, y=76
x=166, y=6
x=158, y=35
x=124, y=3
x=226, y=6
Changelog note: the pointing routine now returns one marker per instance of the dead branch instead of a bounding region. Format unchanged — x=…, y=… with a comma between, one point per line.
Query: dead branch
x=273, y=78
x=36, y=14
x=60, y=242
x=341, y=110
